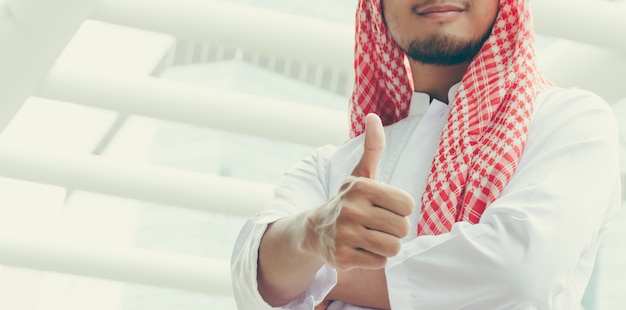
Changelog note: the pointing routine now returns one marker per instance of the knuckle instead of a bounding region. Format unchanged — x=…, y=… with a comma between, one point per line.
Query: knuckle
x=348, y=209
x=344, y=235
x=359, y=185
x=349, y=212
x=354, y=188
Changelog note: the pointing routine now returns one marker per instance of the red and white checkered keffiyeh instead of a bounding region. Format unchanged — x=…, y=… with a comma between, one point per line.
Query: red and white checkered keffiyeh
x=488, y=123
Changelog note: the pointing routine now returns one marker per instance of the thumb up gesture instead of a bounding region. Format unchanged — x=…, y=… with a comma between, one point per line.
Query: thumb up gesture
x=363, y=224
x=373, y=148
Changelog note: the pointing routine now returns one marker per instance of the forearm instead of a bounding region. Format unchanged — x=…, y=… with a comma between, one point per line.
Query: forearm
x=362, y=287
x=285, y=269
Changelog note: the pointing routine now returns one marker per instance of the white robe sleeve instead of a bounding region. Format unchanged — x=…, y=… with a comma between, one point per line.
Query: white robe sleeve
x=301, y=188
x=526, y=250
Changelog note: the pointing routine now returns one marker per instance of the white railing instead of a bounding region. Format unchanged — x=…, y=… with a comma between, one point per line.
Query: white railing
x=138, y=181
x=240, y=25
x=184, y=272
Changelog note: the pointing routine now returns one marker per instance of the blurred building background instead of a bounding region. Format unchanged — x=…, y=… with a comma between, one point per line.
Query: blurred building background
x=136, y=136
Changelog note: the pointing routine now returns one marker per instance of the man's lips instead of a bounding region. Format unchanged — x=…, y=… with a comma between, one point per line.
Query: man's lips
x=438, y=9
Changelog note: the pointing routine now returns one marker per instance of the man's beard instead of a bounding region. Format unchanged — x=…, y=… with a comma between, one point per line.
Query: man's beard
x=444, y=50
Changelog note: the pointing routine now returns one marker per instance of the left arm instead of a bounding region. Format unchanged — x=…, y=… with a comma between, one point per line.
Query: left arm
x=530, y=243
x=362, y=287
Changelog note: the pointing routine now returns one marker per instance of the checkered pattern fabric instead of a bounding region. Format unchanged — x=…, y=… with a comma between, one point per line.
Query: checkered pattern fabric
x=488, y=123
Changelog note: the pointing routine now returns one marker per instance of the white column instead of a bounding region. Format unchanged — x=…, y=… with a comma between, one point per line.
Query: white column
x=32, y=35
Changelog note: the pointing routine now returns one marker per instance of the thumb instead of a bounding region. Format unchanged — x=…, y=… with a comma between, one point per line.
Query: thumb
x=374, y=145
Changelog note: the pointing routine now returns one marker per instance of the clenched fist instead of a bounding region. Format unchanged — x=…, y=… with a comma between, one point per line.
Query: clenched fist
x=363, y=224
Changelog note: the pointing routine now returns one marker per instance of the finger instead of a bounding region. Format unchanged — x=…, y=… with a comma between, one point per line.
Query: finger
x=380, y=243
x=352, y=258
x=369, y=192
x=383, y=220
x=374, y=145
x=392, y=199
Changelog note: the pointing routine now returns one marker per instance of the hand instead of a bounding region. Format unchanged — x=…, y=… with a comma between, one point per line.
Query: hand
x=363, y=224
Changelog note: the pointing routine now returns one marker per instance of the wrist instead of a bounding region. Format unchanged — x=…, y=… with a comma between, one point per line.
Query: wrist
x=308, y=236
x=318, y=236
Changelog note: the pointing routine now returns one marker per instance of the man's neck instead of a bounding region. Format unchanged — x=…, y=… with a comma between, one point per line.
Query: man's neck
x=436, y=80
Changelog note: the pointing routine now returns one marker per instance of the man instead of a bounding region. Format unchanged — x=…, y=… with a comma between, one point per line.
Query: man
x=489, y=188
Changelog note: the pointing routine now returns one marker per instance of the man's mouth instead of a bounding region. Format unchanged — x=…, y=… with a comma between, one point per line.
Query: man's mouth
x=440, y=9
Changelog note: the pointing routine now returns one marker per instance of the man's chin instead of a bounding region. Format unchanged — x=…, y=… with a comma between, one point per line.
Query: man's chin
x=444, y=50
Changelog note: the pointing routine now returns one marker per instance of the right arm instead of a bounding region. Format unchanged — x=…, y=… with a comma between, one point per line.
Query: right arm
x=285, y=269
x=349, y=232
x=356, y=229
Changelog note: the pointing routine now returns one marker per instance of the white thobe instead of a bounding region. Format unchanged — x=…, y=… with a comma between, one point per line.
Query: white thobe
x=534, y=247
